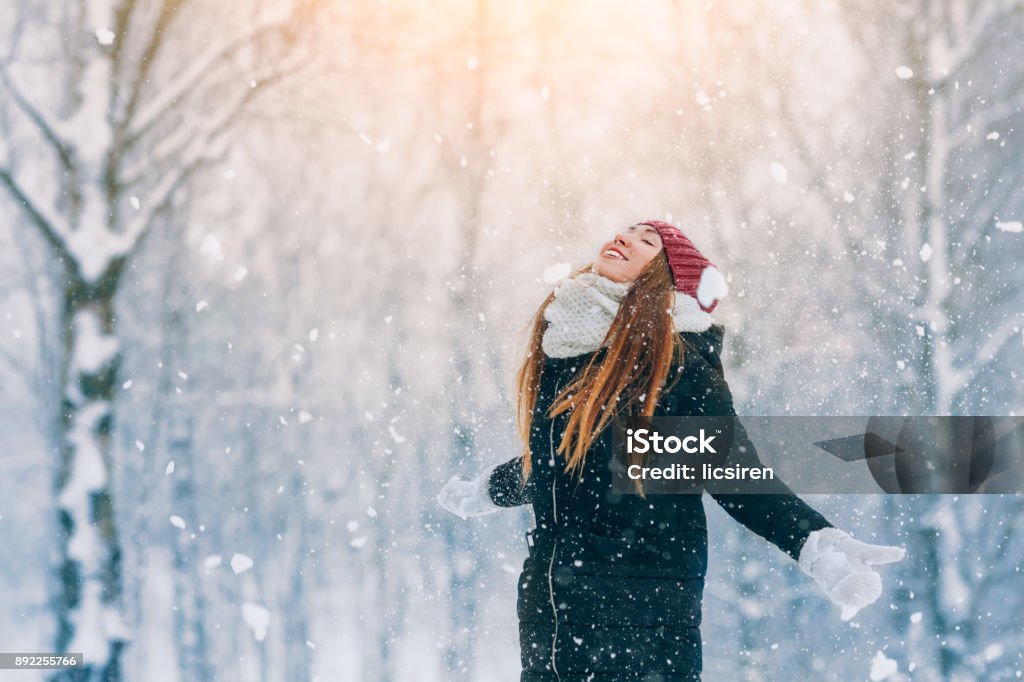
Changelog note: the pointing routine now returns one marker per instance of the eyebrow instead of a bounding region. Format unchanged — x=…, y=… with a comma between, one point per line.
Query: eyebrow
x=647, y=228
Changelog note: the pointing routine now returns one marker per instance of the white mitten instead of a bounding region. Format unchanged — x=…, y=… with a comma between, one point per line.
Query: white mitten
x=468, y=498
x=842, y=567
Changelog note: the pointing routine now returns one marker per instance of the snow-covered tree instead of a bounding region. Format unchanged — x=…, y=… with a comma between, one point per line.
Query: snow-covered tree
x=114, y=118
x=936, y=235
x=956, y=608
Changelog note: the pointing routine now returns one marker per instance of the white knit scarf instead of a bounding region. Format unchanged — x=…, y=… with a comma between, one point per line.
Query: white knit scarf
x=585, y=305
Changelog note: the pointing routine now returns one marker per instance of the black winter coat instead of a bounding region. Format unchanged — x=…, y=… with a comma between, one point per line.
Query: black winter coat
x=612, y=587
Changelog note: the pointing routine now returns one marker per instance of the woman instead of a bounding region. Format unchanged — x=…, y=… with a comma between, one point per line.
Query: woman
x=612, y=586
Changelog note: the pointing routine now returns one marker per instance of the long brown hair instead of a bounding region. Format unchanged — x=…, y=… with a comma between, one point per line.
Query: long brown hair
x=641, y=344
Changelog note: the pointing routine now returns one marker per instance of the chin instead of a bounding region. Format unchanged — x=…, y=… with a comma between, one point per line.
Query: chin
x=612, y=274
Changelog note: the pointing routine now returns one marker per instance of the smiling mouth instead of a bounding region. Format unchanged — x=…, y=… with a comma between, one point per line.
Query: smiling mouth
x=614, y=254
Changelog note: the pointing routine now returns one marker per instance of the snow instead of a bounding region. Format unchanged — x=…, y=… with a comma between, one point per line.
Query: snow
x=926, y=252
x=177, y=521
x=779, y=172
x=88, y=470
x=94, y=349
x=257, y=618
x=240, y=563
x=1011, y=226
x=395, y=436
x=86, y=547
x=95, y=624
x=169, y=469
x=903, y=72
x=89, y=637
x=556, y=273
x=993, y=651
x=104, y=36
x=90, y=132
x=882, y=667
x=211, y=248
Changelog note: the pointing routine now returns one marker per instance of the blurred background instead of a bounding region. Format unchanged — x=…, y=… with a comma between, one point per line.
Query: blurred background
x=267, y=268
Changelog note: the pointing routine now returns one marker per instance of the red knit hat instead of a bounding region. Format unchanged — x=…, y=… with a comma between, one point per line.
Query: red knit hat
x=692, y=272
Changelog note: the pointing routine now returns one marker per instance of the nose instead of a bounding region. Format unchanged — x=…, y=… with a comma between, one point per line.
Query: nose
x=624, y=239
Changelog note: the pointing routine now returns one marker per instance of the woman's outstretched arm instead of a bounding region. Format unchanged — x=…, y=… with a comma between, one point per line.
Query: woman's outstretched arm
x=841, y=566
x=774, y=512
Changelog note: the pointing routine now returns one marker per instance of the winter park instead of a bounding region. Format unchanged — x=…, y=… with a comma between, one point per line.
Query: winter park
x=543, y=341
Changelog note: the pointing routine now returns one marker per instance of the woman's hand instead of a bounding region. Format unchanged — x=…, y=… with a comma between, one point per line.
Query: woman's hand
x=468, y=498
x=842, y=567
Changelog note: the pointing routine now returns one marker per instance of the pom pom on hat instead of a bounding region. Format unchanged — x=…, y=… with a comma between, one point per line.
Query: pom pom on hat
x=693, y=273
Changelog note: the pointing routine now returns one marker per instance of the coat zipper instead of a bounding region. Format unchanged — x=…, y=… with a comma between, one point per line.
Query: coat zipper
x=554, y=547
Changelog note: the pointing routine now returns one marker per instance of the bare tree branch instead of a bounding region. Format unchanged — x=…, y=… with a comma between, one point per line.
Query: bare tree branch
x=208, y=142
x=980, y=121
x=984, y=211
x=46, y=126
x=46, y=363
x=989, y=17
x=51, y=226
x=168, y=10
x=996, y=341
x=172, y=95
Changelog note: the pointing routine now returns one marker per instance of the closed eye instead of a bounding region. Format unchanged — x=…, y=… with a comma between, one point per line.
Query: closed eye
x=632, y=228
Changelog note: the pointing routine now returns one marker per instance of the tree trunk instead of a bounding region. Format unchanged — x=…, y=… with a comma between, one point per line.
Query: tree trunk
x=296, y=621
x=87, y=610
x=189, y=617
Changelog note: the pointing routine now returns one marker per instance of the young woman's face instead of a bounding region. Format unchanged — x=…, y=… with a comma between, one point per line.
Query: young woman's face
x=622, y=259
